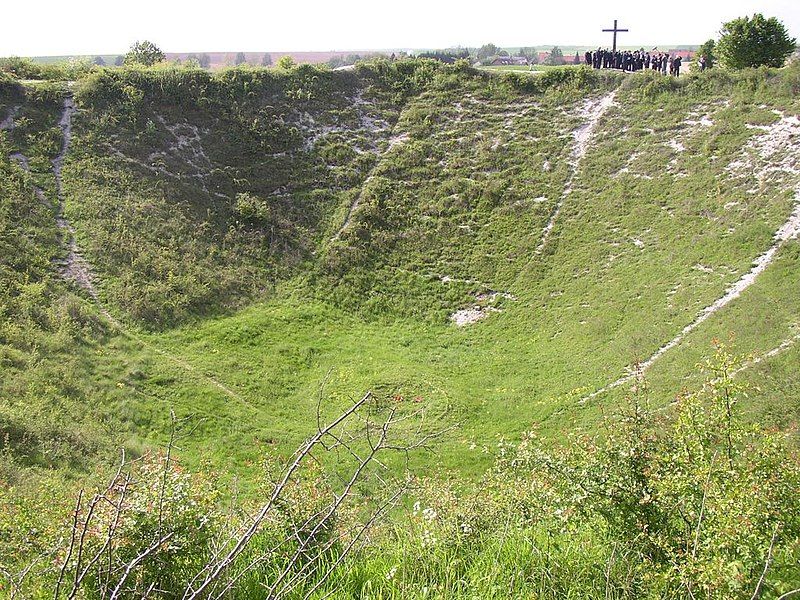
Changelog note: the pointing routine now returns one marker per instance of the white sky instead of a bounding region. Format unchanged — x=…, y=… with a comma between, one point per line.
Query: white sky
x=60, y=27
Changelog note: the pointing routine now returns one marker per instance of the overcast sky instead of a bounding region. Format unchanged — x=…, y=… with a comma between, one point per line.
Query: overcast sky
x=50, y=27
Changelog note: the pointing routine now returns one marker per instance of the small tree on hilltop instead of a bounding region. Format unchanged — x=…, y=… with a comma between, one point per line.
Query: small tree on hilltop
x=144, y=53
x=556, y=57
x=577, y=59
x=99, y=61
x=119, y=61
x=266, y=60
x=486, y=52
x=754, y=42
x=205, y=61
x=240, y=58
x=286, y=63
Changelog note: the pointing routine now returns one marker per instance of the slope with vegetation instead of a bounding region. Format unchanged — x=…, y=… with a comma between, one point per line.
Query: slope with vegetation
x=265, y=245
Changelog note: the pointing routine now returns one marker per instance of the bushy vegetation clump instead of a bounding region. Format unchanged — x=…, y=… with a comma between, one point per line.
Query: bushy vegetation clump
x=755, y=42
x=695, y=505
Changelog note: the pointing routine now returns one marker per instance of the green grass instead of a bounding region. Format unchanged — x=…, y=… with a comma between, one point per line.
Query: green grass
x=210, y=208
x=275, y=310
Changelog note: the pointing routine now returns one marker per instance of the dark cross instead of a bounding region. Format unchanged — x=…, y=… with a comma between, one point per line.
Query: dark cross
x=616, y=30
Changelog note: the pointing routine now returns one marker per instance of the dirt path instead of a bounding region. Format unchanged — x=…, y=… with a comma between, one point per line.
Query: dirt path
x=73, y=266
x=788, y=231
x=592, y=111
x=779, y=349
x=394, y=142
x=774, y=153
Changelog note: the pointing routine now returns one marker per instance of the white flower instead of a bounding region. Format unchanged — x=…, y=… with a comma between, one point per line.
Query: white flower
x=391, y=573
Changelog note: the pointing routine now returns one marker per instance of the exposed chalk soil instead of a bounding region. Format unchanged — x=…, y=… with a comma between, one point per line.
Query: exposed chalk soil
x=773, y=154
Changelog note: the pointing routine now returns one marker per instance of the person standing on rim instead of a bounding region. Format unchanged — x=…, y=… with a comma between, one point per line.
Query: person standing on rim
x=676, y=66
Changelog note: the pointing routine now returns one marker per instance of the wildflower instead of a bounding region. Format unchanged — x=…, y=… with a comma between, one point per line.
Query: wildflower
x=391, y=573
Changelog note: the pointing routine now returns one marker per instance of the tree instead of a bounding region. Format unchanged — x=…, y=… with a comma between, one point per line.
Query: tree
x=754, y=42
x=193, y=61
x=119, y=61
x=99, y=61
x=205, y=61
x=709, y=51
x=240, y=58
x=577, y=59
x=266, y=60
x=144, y=53
x=486, y=52
x=502, y=53
x=286, y=62
x=556, y=57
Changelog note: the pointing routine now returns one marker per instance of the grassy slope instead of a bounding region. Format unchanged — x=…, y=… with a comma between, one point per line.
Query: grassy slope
x=595, y=303
x=454, y=199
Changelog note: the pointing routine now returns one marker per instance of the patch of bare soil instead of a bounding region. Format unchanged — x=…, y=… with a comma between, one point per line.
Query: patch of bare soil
x=774, y=154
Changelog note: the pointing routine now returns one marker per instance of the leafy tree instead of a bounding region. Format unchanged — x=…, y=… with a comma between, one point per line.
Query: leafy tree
x=754, y=42
x=502, y=53
x=240, y=58
x=119, y=61
x=577, y=59
x=144, y=53
x=486, y=52
x=528, y=53
x=709, y=51
x=286, y=63
x=205, y=60
x=99, y=61
x=266, y=60
x=556, y=57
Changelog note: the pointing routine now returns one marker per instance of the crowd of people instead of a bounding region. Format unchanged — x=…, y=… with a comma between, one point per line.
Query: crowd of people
x=638, y=60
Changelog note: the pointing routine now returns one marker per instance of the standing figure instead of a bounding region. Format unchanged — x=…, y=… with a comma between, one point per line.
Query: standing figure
x=676, y=66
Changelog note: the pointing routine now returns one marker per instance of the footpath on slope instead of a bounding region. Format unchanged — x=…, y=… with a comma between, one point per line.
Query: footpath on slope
x=592, y=111
x=776, y=139
x=73, y=267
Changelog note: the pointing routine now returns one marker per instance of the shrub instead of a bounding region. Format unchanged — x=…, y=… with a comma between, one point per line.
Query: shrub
x=755, y=42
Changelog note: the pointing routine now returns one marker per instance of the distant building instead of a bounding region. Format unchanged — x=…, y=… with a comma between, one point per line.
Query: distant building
x=684, y=54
